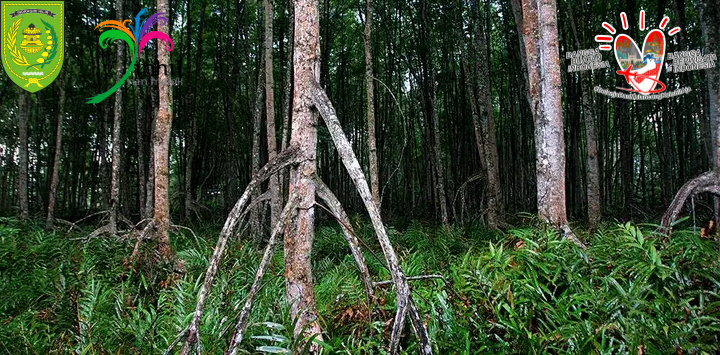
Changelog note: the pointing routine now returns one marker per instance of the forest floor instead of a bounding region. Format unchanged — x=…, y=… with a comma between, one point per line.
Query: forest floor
x=523, y=291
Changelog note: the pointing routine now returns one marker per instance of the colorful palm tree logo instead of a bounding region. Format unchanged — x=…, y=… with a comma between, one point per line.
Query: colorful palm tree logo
x=136, y=38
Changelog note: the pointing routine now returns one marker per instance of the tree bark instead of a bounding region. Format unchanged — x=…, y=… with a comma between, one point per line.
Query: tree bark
x=193, y=134
x=540, y=34
x=273, y=185
x=496, y=209
x=370, y=103
x=117, y=118
x=711, y=32
x=55, y=179
x=592, y=168
x=287, y=98
x=23, y=108
x=301, y=231
x=161, y=143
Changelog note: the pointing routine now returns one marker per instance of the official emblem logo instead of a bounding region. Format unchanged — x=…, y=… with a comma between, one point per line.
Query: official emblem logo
x=33, y=42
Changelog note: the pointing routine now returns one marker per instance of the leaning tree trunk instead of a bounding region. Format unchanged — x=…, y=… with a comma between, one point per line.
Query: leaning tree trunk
x=370, y=98
x=274, y=185
x=540, y=35
x=301, y=231
x=117, y=118
x=55, y=179
x=23, y=108
x=161, y=143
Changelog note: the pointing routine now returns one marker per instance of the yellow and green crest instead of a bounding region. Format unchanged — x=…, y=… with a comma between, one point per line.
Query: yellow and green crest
x=33, y=42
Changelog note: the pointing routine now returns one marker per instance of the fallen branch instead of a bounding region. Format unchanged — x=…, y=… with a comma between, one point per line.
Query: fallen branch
x=707, y=182
x=262, y=267
x=404, y=301
x=238, y=212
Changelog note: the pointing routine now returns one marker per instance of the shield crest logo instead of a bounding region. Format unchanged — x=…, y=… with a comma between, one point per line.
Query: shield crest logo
x=33, y=42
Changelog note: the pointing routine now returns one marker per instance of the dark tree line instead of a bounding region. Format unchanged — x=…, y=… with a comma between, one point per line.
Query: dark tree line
x=447, y=88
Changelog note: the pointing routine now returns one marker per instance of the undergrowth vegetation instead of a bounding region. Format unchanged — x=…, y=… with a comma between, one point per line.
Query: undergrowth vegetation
x=525, y=291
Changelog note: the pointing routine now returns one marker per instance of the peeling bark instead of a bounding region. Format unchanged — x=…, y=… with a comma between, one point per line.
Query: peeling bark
x=301, y=231
x=161, y=144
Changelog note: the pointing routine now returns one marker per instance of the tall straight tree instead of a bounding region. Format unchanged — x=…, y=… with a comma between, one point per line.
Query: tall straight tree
x=55, y=177
x=370, y=101
x=117, y=118
x=274, y=184
x=23, y=108
x=161, y=142
x=489, y=150
x=300, y=233
x=540, y=37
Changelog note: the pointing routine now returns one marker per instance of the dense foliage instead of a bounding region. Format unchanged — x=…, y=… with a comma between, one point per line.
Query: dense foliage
x=526, y=291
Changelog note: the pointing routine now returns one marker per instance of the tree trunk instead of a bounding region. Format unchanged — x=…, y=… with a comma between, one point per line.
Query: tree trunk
x=711, y=32
x=23, y=108
x=540, y=34
x=161, y=143
x=117, y=118
x=370, y=102
x=301, y=231
x=287, y=99
x=193, y=134
x=273, y=185
x=495, y=205
x=55, y=179
x=592, y=168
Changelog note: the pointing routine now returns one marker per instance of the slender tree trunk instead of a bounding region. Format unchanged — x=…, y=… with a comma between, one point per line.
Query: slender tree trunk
x=288, y=94
x=301, y=231
x=23, y=108
x=55, y=179
x=117, y=118
x=161, y=143
x=140, y=128
x=370, y=102
x=495, y=204
x=193, y=134
x=592, y=168
x=711, y=32
x=273, y=185
x=255, y=159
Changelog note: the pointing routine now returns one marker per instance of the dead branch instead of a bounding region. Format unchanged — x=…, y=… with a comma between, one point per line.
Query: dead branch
x=262, y=267
x=404, y=301
x=707, y=182
x=338, y=212
x=238, y=213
